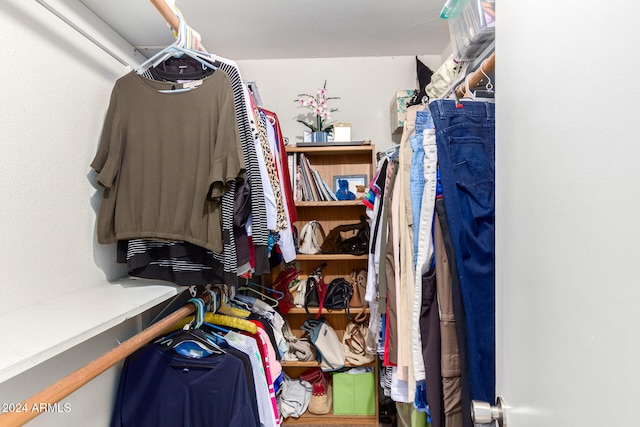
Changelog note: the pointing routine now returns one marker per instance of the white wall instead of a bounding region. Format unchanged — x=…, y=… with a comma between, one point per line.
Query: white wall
x=567, y=212
x=56, y=91
x=365, y=87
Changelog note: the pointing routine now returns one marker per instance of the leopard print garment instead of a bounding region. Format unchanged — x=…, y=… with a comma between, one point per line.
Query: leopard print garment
x=281, y=218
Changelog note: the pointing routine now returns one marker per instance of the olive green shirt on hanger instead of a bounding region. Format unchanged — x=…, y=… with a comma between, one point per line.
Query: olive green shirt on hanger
x=165, y=158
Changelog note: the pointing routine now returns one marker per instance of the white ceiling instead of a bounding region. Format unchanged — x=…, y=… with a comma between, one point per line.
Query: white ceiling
x=273, y=29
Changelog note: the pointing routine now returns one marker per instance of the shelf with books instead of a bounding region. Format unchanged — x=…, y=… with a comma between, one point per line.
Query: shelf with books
x=328, y=162
x=315, y=170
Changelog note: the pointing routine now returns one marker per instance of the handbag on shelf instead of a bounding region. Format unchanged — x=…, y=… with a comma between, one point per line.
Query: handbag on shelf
x=303, y=350
x=354, y=341
x=357, y=296
x=315, y=288
x=324, y=338
x=357, y=244
x=338, y=295
x=281, y=284
x=300, y=293
x=298, y=350
x=359, y=284
x=321, y=393
x=308, y=238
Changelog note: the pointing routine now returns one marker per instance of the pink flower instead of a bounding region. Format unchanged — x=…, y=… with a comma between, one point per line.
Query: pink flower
x=319, y=108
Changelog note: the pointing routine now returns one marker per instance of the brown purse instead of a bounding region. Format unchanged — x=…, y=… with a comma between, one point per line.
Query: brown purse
x=357, y=244
x=356, y=298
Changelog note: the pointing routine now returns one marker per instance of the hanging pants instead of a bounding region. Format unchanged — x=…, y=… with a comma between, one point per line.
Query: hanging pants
x=465, y=138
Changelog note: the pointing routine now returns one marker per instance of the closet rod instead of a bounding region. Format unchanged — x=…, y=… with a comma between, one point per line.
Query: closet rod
x=488, y=65
x=72, y=382
x=86, y=35
x=166, y=13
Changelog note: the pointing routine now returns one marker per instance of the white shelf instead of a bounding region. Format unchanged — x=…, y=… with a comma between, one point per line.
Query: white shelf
x=37, y=332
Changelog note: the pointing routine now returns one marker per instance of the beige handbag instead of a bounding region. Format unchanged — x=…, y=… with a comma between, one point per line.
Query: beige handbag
x=309, y=243
x=297, y=349
x=354, y=341
x=359, y=285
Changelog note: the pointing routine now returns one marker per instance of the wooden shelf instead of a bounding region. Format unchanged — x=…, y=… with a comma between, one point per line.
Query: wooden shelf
x=331, y=204
x=314, y=310
x=330, y=257
x=303, y=364
x=332, y=420
x=335, y=150
x=329, y=162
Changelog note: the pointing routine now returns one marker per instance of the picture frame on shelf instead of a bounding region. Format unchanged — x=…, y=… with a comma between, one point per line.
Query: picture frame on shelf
x=342, y=132
x=346, y=186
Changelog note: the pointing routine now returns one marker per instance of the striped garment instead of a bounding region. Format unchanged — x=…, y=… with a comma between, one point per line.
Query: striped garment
x=184, y=270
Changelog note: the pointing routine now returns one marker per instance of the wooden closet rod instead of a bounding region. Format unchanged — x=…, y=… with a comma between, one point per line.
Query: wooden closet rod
x=167, y=13
x=488, y=65
x=72, y=382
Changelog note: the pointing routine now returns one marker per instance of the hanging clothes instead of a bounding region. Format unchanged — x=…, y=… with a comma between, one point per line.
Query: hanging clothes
x=442, y=315
x=283, y=164
x=466, y=136
x=138, y=154
x=186, y=264
x=450, y=354
x=268, y=418
x=165, y=389
x=259, y=231
x=245, y=122
x=177, y=261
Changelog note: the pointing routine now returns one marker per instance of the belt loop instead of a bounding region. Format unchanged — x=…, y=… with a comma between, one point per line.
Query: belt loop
x=490, y=109
x=440, y=104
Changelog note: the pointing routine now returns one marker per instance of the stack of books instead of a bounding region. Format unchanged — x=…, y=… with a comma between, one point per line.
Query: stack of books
x=306, y=182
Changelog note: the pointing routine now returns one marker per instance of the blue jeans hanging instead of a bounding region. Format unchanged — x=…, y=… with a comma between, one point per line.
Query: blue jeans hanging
x=465, y=138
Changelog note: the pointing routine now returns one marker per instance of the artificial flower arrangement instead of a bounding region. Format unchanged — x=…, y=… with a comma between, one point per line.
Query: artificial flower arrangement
x=320, y=110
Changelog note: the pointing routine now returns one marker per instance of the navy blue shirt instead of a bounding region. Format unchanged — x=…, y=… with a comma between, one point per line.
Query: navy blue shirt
x=164, y=389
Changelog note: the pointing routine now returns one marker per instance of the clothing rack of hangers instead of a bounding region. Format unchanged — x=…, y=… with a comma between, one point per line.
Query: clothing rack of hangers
x=487, y=66
x=72, y=382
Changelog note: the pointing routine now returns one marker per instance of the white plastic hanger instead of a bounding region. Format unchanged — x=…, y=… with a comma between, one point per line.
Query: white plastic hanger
x=178, y=47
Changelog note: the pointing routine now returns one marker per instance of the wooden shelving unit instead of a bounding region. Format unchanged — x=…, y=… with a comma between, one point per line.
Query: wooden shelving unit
x=332, y=420
x=329, y=162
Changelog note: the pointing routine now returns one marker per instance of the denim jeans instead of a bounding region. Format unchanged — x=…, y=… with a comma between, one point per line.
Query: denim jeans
x=417, y=188
x=465, y=138
x=417, y=177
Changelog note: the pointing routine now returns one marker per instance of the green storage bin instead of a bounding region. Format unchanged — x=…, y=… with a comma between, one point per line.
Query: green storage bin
x=354, y=394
